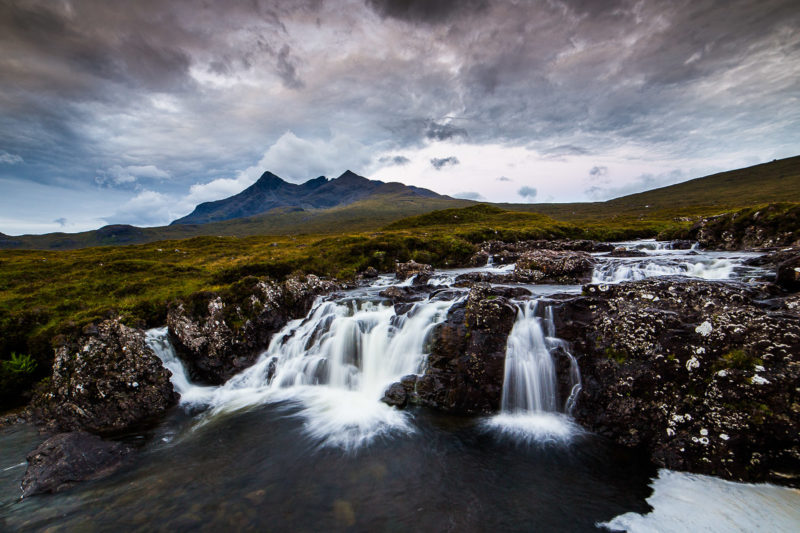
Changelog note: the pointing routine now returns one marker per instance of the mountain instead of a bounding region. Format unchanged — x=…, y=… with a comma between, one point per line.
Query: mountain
x=271, y=192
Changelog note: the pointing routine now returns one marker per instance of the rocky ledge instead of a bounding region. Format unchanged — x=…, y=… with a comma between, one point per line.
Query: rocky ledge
x=464, y=374
x=509, y=252
x=540, y=266
x=105, y=381
x=219, y=334
x=704, y=375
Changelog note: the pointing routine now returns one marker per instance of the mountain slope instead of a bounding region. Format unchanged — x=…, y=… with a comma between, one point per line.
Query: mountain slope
x=271, y=192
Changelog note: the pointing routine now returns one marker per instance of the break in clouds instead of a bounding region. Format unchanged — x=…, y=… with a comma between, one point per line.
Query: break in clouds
x=117, y=103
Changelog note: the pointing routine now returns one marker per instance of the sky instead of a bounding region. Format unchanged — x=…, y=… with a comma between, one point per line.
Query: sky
x=134, y=112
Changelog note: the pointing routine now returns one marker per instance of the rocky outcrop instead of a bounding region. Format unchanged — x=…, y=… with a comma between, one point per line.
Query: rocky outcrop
x=772, y=226
x=68, y=458
x=106, y=380
x=464, y=374
x=509, y=252
x=550, y=266
x=421, y=272
x=696, y=372
x=788, y=274
x=219, y=334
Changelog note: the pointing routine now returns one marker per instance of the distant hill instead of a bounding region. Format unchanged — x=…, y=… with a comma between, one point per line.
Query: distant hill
x=271, y=192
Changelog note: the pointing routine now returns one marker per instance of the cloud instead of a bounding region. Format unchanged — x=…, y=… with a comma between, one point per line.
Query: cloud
x=118, y=175
x=469, y=195
x=425, y=11
x=61, y=221
x=527, y=192
x=398, y=160
x=287, y=70
x=440, y=162
x=147, y=208
x=598, y=171
x=503, y=178
x=643, y=182
x=10, y=159
x=444, y=131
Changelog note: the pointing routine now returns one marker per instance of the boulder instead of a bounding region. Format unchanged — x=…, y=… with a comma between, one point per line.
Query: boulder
x=106, y=380
x=510, y=252
x=465, y=369
x=788, y=274
x=696, y=372
x=421, y=272
x=217, y=335
x=552, y=266
x=69, y=458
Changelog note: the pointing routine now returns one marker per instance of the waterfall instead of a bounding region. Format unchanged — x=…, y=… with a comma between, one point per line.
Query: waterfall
x=530, y=409
x=335, y=363
x=618, y=270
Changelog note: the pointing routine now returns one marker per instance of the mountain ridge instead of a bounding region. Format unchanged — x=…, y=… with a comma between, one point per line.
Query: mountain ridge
x=271, y=191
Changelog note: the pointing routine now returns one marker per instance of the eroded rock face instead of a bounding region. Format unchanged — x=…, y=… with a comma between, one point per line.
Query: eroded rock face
x=421, y=271
x=105, y=381
x=218, y=335
x=510, y=252
x=552, y=266
x=788, y=274
x=694, y=371
x=68, y=458
x=765, y=228
x=464, y=373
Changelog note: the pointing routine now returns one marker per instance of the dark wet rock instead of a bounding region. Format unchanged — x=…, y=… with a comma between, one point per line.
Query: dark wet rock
x=698, y=373
x=219, y=334
x=681, y=244
x=68, y=458
x=468, y=278
x=370, y=273
x=395, y=395
x=788, y=274
x=106, y=380
x=465, y=369
x=773, y=258
x=621, y=251
x=481, y=258
x=421, y=272
x=550, y=266
x=402, y=294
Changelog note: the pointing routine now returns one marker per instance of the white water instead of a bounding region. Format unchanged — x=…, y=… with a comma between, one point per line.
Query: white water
x=690, y=503
x=529, y=407
x=634, y=269
x=336, y=364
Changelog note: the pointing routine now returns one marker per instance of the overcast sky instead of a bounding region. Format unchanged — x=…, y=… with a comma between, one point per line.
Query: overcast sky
x=134, y=112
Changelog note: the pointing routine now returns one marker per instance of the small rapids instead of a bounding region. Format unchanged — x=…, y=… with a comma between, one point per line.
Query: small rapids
x=336, y=363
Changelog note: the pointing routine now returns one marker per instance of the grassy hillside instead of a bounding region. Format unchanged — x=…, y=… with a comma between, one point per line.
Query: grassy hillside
x=776, y=181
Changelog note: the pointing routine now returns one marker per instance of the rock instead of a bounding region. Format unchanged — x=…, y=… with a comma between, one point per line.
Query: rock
x=698, y=373
x=481, y=258
x=108, y=380
x=401, y=294
x=621, y=251
x=421, y=272
x=370, y=273
x=465, y=369
x=773, y=226
x=395, y=395
x=217, y=335
x=788, y=274
x=539, y=266
x=69, y=458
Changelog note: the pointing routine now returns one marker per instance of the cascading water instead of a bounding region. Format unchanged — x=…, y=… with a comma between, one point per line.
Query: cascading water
x=530, y=407
x=336, y=363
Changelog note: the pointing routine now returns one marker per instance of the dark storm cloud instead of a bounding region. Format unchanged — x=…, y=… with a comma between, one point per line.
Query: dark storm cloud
x=427, y=11
x=398, y=160
x=442, y=132
x=204, y=90
x=598, y=171
x=440, y=162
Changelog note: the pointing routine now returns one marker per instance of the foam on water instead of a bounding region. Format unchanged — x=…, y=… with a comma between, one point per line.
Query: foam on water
x=535, y=427
x=691, y=503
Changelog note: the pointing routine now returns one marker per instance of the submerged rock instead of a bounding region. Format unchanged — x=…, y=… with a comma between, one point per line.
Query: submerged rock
x=696, y=372
x=465, y=369
x=69, y=458
x=421, y=272
x=105, y=381
x=218, y=335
